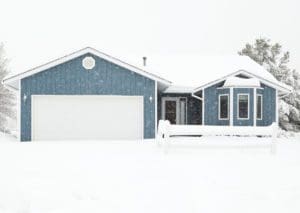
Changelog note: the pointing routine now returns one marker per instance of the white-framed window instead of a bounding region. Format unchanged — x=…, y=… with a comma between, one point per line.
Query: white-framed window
x=243, y=106
x=259, y=107
x=223, y=107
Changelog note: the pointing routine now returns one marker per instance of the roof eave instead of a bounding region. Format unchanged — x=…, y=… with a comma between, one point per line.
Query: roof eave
x=79, y=53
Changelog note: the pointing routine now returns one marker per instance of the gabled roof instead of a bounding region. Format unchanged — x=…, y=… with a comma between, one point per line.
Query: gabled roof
x=197, y=71
x=188, y=73
x=272, y=83
x=13, y=81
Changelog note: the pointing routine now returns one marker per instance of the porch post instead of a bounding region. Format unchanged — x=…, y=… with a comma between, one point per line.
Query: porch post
x=254, y=106
x=231, y=107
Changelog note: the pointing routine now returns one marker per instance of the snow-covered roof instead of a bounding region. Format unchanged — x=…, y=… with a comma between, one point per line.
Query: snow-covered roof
x=13, y=81
x=197, y=71
x=185, y=73
x=241, y=82
x=179, y=89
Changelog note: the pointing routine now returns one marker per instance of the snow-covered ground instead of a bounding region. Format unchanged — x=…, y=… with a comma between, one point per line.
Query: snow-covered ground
x=195, y=175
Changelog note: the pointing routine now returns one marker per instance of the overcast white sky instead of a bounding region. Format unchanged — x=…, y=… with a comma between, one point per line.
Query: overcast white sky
x=36, y=31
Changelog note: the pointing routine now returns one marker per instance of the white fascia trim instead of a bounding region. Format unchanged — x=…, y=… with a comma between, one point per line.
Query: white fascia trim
x=197, y=97
x=219, y=108
x=80, y=53
x=156, y=118
x=238, y=106
x=240, y=87
x=213, y=82
x=271, y=84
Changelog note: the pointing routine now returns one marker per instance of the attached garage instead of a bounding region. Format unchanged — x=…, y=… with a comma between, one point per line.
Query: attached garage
x=87, y=95
x=92, y=117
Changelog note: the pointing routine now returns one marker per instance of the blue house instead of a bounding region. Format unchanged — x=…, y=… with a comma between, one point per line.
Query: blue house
x=90, y=95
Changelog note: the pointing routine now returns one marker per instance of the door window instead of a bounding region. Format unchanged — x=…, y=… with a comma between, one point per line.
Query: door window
x=170, y=111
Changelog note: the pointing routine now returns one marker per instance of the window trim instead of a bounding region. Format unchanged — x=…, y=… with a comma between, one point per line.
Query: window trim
x=261, y=107
x=238, y=106
x=219, y=108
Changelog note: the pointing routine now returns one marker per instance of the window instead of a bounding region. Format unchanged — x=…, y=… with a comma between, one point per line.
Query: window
x=170, y=111
x=243, y=106
x=259, y=107
x=223, y=107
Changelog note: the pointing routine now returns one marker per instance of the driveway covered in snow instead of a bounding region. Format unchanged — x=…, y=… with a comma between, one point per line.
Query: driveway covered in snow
x=140, y=177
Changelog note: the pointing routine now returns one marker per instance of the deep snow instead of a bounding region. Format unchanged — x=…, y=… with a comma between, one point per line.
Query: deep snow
x=196, y=175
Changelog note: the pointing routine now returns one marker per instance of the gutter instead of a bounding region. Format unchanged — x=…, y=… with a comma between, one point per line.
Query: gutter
x=197, y=97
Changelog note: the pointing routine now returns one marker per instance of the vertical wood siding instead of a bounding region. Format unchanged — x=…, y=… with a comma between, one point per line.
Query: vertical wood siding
x=211, y=105
x=70, y=78
x=269, y=106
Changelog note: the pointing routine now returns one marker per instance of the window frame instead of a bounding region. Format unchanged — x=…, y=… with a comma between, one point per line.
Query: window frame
x=261, y=107
x=238, y=106
x=219, y=108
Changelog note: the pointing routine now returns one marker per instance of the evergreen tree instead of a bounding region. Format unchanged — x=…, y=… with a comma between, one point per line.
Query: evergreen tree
x=276, y=61
x=7, y=98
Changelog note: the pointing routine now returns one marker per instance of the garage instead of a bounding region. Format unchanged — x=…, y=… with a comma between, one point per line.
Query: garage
x=87, y=95
x=87, y=117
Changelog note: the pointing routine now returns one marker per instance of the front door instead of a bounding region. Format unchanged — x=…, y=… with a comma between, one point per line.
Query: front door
x=174, y=110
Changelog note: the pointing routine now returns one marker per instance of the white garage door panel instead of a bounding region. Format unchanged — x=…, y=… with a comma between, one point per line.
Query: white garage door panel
x=72, y=117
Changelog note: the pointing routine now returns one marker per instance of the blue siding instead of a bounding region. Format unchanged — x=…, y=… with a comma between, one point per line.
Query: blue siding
x=236, y=121
x=211, y=105
x=269, y=106
x=70, y=78
x=211, y=95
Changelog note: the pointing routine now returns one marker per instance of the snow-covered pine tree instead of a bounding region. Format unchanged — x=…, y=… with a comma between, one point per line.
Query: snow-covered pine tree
x=275, y=60
x=7, y=98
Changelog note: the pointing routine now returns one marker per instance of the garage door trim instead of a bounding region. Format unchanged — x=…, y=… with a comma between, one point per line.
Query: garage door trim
x=141, y=98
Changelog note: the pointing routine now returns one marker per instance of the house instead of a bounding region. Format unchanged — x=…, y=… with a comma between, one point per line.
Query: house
x=91, y=95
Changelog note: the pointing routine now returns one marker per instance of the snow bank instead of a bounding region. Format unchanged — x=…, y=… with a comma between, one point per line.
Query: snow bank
x=115, y=177
x=8, y=137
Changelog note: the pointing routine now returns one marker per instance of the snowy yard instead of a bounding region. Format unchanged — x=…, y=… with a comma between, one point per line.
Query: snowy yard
x=62, y=177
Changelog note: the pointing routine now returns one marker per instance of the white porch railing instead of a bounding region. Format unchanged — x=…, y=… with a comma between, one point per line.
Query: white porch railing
x=167, y=130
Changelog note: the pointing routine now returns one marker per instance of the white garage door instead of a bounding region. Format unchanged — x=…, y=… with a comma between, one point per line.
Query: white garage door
x=92, y=117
